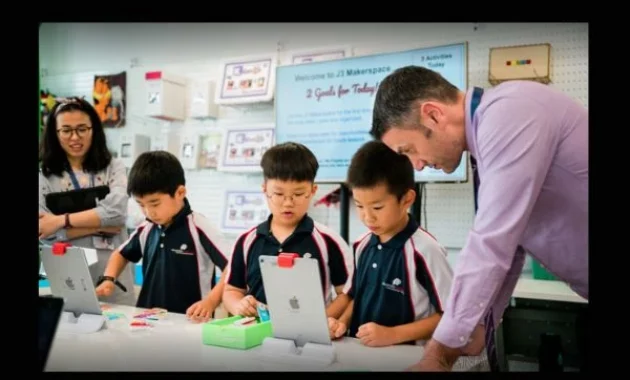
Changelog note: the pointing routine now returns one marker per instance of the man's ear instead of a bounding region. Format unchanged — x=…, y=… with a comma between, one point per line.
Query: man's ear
x=432, y=115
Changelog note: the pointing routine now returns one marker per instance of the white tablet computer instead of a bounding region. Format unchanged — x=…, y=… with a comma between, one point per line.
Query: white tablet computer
x=69, y=277
x=295, y=299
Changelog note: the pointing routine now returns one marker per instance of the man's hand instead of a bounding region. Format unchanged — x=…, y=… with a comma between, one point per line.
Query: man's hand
x=336, y=328
x=49, y=224
x=437, y=357
x=200, y=311
x=247, y=307
x=373, y=335
x=430, y=364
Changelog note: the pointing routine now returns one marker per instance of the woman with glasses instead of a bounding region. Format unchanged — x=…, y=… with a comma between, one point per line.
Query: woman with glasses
x=74, y=155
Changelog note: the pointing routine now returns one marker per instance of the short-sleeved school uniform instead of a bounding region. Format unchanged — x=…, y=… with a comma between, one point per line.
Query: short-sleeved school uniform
x=398, y=282
x=178, y=261
x=309, y=237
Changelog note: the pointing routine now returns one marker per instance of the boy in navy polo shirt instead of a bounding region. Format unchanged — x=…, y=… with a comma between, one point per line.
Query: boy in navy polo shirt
x=179, y=248
x=289, y=171
x=402, y=277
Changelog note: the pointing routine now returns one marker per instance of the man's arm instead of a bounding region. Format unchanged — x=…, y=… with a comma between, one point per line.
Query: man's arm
x=516, y=147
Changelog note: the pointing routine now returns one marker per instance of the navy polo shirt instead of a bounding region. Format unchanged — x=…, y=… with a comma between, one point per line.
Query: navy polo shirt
x=309, y=237
x=178, y=261
x=398, y=282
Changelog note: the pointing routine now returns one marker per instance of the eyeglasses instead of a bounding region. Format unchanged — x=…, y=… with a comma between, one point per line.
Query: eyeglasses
x=66, y=133
x=279, y=199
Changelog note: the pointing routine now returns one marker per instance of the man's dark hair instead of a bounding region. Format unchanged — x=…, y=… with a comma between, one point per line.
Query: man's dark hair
x=375, y=163
x=289, y=161
x=401, y=90
x=54, y=159
x=155, y=172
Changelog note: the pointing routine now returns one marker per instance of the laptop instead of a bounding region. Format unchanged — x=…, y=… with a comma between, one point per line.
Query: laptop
x=75, y=200
x=49, y=313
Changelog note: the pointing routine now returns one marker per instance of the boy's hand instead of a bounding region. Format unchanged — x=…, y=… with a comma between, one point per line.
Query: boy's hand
x=105, y=289
x=373, y=335
x=247, y=306
x=200, y=311
x=337, y=328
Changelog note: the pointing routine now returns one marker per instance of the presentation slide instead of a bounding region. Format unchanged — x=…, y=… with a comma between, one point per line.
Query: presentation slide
x=327, y=105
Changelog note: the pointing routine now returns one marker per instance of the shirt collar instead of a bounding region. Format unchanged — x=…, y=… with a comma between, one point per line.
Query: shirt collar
x=304, y=226
x=179, y=218
x=399, y=240
x=470, y=128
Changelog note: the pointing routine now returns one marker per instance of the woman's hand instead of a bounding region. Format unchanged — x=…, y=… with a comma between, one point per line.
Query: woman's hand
x=49, y=224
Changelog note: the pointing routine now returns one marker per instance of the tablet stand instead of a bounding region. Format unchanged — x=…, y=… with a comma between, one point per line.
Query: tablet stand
x=83, y=324
x=310, y=353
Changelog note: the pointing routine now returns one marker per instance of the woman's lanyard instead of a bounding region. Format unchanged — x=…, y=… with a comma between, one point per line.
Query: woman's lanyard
x=75, y=182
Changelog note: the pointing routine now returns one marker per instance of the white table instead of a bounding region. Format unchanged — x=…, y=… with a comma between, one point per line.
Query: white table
x=174, y=344
x=546, y=290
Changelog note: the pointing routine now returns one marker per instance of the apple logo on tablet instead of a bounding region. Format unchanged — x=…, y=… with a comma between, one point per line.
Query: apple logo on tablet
x=294, y=303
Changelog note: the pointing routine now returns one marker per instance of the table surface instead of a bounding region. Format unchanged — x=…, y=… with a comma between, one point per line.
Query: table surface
x=530, y=288
x=174, y=344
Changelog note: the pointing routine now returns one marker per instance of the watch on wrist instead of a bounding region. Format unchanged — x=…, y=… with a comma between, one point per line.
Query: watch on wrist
x=67, y=221
x=102, y=279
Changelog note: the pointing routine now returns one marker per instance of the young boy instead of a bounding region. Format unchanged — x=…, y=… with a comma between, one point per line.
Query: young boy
x=402, y=277
x=289, y=171
x=179, y=248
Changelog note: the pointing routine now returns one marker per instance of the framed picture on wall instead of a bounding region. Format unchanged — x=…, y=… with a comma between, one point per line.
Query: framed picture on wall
x=243, y=147
x=297, y=57
x=245, y=80
x=243, y=209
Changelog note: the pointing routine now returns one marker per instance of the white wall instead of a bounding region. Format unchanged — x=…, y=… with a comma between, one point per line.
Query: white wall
x=70, y=54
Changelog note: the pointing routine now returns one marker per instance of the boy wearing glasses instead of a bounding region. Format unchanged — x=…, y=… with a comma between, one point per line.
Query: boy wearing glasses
x=289, y=171
x=402, y=277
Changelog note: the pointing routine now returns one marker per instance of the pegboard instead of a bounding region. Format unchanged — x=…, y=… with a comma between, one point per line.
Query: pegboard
x=449, y=207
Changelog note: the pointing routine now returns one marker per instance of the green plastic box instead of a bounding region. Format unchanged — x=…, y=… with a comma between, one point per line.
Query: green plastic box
x=222, y=333
x=540, y=273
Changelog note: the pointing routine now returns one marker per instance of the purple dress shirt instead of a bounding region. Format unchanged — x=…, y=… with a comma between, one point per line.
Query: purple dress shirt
x=531, y=146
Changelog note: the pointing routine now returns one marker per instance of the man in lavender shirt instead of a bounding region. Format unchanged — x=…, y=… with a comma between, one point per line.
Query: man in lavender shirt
x=530, y=144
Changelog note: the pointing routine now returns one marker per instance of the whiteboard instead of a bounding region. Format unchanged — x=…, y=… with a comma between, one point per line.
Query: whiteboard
x=327, y=105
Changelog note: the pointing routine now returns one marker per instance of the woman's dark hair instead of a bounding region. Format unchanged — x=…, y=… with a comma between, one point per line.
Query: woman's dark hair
x=52, y=156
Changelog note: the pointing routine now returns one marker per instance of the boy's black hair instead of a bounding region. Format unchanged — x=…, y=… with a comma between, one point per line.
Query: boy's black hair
x=155, y=172
x=54, y=159
x=289, y=161
x=375, y=163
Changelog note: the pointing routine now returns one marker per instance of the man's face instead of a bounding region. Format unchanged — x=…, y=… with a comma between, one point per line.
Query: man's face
x=438, y=148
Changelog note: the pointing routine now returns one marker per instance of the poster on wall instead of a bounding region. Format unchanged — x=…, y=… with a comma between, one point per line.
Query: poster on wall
x=210, y=150
x=110, y=99
x=298, y=57
x=47, y=102
x=243, y=210
x=246, y=80
x=243, y=147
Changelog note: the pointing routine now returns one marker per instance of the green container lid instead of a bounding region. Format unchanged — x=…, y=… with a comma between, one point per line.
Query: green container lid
x=540, y=273
x=223, y=333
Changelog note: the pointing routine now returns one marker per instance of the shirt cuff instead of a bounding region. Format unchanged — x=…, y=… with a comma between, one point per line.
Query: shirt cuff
x=452, y=333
